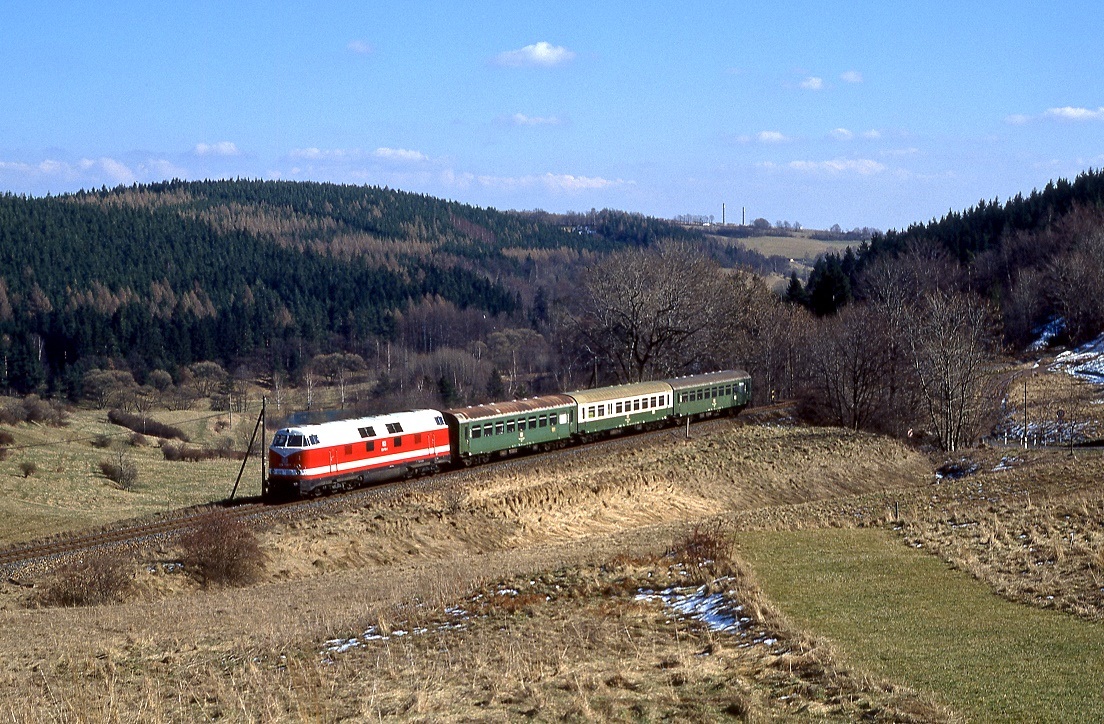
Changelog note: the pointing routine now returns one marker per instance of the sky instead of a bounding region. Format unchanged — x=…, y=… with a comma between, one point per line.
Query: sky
x=876, y=114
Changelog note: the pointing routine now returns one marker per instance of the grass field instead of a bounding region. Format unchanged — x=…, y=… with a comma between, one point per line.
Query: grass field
x=67, y=490
x=800, y=247
x=906, y=616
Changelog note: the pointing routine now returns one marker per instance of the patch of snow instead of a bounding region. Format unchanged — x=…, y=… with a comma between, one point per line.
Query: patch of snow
x=1086, y=362
x=1046, y=333
x=715, y=610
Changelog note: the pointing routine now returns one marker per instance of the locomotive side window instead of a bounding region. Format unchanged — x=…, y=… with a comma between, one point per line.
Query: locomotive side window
x=370, y=446
x=295, y=441
x=398, y=441
x=393, y=427
x=366, y=431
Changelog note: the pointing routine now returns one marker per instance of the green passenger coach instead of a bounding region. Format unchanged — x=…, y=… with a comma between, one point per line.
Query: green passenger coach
x=641, y=405
x=711, y=393
x=538, y=423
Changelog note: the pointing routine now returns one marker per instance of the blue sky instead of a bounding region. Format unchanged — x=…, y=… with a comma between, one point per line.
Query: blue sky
x=863, y=114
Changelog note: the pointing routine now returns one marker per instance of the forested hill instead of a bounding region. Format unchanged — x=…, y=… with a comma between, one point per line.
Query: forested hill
x=164, y=275
x=983, y=227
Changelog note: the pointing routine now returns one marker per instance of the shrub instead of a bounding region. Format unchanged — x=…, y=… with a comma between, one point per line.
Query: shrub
x=138, y=440
x=102, y=441
x=174, y=453
x=120, y=470
x=222, y=550
x=34, y=409
x=28, y=468
x=145, y=425
x=6, y=438
x=4, y=453
x=95, y=579
x=705, y=544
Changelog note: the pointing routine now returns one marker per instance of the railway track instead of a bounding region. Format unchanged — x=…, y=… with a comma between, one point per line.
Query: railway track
x=50, y=552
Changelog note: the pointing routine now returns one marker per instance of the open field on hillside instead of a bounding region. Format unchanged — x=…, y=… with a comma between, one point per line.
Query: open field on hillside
x=800, y=246
x=67, y=489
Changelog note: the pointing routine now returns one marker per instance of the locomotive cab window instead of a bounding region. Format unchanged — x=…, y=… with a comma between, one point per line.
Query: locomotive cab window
x=295, y=441
x=280, y=441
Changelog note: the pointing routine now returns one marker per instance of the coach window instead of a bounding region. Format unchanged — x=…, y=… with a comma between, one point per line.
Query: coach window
x=618, y=408
x=601, y=413
x=509, y=426
x=476, y=431
x=543, y=420
x=636, y=405
x=532, y=423
x=498, y=428
x=488, y=430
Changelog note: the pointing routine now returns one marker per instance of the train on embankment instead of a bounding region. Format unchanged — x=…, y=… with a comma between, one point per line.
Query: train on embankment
x=307, y=460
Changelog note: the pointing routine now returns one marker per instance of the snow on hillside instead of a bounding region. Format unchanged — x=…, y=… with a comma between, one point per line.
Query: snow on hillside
x=1085, y=362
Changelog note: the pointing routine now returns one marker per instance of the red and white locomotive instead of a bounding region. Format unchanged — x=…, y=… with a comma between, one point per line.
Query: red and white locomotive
x=330, y=456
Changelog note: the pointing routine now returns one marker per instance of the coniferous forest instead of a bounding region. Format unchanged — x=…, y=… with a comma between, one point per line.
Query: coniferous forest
x=166, y=275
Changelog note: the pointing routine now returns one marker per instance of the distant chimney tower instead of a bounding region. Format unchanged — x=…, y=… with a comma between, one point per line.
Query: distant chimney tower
x=722, y=214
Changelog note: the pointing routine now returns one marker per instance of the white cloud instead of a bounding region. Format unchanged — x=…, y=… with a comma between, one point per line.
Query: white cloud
x=1017, y=119
x=770, y=137
x=399, y=154
x=842, y=134
x=852, y=76
x=222, y=148
x=860, y=166
x=872, y=134
x=540, y=54
x=562, y=183
x=360, y=47
x=1068, y=113
x=520, y=119
x=117, y=171
x=326, y=154
x=812, y=83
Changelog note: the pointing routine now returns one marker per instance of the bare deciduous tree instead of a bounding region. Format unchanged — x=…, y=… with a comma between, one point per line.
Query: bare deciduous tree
x=951, y=337
x=646, y=313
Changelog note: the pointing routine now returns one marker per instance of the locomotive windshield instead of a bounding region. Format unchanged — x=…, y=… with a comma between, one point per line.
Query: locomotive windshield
x=280, y=441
